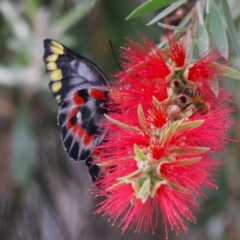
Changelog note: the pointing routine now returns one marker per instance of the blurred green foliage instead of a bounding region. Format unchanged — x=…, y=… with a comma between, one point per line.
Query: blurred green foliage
x=44, y=195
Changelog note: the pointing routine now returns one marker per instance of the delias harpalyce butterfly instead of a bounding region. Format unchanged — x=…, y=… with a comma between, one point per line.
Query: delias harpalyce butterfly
x=79, y=87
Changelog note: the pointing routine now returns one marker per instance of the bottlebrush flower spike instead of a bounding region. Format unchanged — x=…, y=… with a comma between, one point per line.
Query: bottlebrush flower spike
x=177, y=51
x=162, y=130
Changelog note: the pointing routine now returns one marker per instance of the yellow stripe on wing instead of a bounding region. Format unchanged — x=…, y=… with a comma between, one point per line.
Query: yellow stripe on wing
x=56, y=75
x=58, y=45
x=51, y=66
x=56, y=86
x=52, y=58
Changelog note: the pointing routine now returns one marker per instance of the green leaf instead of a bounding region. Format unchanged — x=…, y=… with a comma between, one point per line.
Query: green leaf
x=228, y=71
x=129, y=176
x=167, y=11
x=191, y=150
x=144, y=191
x=230, y=27
x=207, y=6
x=121, y=124
x=167, y=26
x=217, y=30
x=188, y=161
x=191, y=50
x=174, y=126
x=214, y=85
x=23, y=148
x=166, y=135
x=189, y=125
x=73, y=16
x=142, y=119
x=149, y=6
x=31, y=8
x=174, y=186
x=138, y=152
x=18, y=25
x=203, y=39
x=199, y=12
x=180, y=27
x=170, y=131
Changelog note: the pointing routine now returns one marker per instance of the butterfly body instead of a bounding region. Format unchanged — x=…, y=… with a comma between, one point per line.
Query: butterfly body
x=80, y=89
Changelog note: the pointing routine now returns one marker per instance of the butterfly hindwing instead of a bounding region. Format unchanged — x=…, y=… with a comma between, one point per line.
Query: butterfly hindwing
x=78, y=87
x=80, y=116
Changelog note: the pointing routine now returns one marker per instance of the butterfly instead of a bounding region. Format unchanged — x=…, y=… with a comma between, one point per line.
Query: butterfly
x=80, y=90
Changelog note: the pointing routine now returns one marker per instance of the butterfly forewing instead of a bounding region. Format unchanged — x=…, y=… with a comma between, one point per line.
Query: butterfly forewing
x=78, y=87
x=69, y=71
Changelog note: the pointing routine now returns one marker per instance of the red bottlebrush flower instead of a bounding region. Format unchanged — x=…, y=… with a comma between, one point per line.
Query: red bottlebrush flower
x=177, y=52
x=203, y=70
x=144, y=71
x=162, y=130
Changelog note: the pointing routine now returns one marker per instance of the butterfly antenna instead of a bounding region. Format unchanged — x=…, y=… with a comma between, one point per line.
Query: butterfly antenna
x=111, y=46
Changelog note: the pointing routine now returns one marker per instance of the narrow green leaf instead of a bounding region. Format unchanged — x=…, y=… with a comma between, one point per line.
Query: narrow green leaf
x=166, y=135
x=188, y=161
x=72, y=16
x=203, y=39
x=196, y=123
x=138, y=152
x=170, y=131
x=228, y=71
x=116, y=185
x=17, y=23
x=214, y=85
x=144, y=191
x=142, y=119
x=207, y=6
x=217, y=30
x=174, y=186
x=167, y=11
x=31, y=8
x=167, y=26
x=115, y=161
x=191, y=150
x=107, y=164
x=178, y=188
x=181, y=26
x=174, y=126
x=129, y=176
x=199, y=12
x=156, y=102
x=231, y=28
x=191, y=50
x=190, y=125
x=121, y=124
x=23, y=148
x=156, y=186
x=149, y=6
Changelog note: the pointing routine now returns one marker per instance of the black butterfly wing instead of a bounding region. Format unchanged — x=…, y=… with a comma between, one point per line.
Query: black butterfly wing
x=78, y=87
x=69, y=71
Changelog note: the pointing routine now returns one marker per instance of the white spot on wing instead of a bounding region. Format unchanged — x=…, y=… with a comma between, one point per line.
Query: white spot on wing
x=85, y=71
x=79, y=115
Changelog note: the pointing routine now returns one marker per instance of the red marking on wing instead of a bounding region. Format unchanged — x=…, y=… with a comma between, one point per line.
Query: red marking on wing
x=78, y=100
x=72, y=113
x=96, y=153
x=70, y=116
x=75, y=129
x=78, y=130
x=87, y=140
x=81, y=132
x=69, y=124
x=96, y=93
